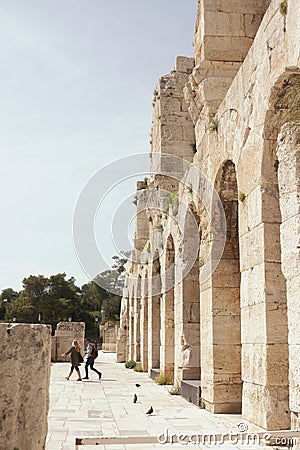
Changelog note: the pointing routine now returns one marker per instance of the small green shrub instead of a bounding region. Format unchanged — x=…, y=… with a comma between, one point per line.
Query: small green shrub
x=242, y=196
x=201, y=403
x=214, y=125
x=283, y=7
x=149, y=247
x=162, y=379
x=175, y=390
x=130, y=364
x=138, y=368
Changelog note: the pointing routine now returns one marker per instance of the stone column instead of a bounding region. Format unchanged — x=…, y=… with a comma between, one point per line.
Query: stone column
x=122, y=332
x=144, y=324
x=187, y=316
x=136, y=331
x=288, y=151
x=154, y=319
x=25, y=378
x=263, y=301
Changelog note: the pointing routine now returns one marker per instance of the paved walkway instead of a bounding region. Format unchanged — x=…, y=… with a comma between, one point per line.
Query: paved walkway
x=105, y=408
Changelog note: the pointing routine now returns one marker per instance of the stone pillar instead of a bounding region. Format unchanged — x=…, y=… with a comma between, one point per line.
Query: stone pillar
x=263, y=301
x=25, y=378
x=288, y=151
x=136, y=331
x=221, y=381
x=131, y=329
x=167, y=353
x=144, y=324
x=187, y=316
x=167, y=335
x=154, y=318
x=122, y=332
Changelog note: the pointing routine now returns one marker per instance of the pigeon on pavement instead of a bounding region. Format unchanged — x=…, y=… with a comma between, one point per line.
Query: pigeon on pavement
x=138, y=385
x=150, y=411
x=134, y=398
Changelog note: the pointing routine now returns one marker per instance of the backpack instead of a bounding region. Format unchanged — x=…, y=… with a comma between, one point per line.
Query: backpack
x=94, y=353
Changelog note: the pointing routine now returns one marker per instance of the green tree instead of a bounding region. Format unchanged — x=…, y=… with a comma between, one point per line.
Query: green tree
x=6, y=296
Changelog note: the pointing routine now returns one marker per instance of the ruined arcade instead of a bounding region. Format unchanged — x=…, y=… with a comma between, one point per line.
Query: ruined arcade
x=208, y=305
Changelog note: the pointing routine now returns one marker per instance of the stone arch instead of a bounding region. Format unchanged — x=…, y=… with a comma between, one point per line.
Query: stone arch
x=154, y=317
x=220, y=311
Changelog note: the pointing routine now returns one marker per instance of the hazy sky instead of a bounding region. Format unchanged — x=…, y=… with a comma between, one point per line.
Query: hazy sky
x=76, y=87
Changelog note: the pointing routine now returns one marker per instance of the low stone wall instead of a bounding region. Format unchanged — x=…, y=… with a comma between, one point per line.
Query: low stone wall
x=109, y=333
x=65, y=334
x=25, y=378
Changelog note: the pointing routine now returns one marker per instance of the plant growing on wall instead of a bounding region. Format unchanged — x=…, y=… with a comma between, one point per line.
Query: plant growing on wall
x=283, y=7
x=214, y=125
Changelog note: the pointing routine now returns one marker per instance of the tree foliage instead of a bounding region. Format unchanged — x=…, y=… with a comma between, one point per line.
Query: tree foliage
x=56, y=299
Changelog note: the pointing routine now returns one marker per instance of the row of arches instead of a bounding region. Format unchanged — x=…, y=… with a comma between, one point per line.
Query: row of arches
x=235, y=331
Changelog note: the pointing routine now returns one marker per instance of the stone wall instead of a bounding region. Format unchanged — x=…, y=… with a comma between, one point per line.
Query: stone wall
x=109, y=333
x=213, y=295
x=25, y=378
x=65, y=334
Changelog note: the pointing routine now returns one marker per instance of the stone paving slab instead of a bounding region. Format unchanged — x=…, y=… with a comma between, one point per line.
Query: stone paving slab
x=95, y=408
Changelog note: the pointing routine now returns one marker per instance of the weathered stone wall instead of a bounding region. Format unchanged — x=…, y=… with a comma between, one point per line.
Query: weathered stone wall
x=236, y=328
x=65, y=334
x=109, y=333
x=25, y=378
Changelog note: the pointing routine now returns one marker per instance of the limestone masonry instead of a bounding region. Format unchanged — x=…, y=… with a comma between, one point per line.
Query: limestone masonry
x=24, y=394
x=211, y=297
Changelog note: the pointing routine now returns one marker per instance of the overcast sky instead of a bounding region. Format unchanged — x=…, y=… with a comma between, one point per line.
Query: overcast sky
x=76, y=87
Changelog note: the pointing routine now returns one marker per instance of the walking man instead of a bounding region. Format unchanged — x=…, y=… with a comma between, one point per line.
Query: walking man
x=90, y=360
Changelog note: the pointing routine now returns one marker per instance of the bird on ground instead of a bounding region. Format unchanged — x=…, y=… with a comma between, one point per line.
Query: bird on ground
x=134, y=398
x=150, y=411
x=138, y=385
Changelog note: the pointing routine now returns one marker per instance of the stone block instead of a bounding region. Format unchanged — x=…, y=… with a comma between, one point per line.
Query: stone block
x=223, y=24
x=231, y=6
x=252, y=286
x=265, y=406
x=226, y=301
x=227, y=329
x=226, y=358
x=184, y=64
x=227, y=274
x=294, y=377
x=225, y=48
x=254, y=363
x=252, y=23
x=24, y=396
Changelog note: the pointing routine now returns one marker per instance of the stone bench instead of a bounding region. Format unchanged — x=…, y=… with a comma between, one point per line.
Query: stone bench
x=191, y=391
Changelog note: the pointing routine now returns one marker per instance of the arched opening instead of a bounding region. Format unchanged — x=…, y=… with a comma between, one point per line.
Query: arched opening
x=220, y=308
x=167, y=313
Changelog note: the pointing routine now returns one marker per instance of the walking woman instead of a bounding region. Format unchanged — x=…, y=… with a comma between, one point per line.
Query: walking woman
x=75, y=358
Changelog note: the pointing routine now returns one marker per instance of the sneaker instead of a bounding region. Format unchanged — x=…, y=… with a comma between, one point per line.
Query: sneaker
x=85, y=378
x=79, y=379
x=100, y=375
x=67, y=378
